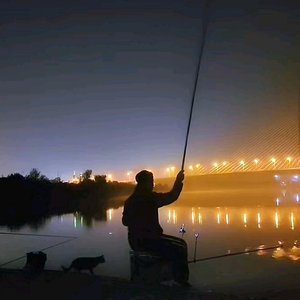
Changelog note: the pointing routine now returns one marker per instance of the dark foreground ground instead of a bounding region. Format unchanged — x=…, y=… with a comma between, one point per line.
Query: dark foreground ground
x=59, y=285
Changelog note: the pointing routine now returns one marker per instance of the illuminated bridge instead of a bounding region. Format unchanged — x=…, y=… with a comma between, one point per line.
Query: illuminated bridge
x=254, y=165
x=269, y=141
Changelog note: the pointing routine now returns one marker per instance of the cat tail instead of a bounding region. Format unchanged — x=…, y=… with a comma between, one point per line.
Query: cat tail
x=67, y=269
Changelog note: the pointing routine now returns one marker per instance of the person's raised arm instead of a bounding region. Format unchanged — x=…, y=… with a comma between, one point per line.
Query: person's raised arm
x=163, y=199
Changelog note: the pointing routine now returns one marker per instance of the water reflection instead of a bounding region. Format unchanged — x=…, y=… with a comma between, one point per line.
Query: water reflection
x=87, y=220
x=276, y=220
x=292, y=253
x=277, y=216
x=227, y=216
x=174, y=217
x=292, y=221
x=199, y=218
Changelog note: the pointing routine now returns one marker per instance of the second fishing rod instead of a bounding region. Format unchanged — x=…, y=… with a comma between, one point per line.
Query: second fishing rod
x=183, y=231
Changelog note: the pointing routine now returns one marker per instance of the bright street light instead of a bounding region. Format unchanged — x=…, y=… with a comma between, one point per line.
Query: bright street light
x=273, y=160
x=109, y=176
x=224, y=163
x=243, y=164
x=172, y=169
x=197, y=166
x=168, y=170
x=256, y=161
x=191, y=168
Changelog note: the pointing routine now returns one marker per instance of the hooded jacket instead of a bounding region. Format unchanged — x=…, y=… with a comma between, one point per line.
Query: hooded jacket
x=140, y=212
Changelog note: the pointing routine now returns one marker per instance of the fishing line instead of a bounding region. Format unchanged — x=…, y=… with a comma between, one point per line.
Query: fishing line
x=24, y=256
x=204, y=30
x=42, y=235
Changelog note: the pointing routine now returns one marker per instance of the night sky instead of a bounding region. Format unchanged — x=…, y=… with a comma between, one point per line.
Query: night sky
x=107, y=85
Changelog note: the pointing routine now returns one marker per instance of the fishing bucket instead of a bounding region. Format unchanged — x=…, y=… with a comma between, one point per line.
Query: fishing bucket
x=149, y=268
x=35, y=265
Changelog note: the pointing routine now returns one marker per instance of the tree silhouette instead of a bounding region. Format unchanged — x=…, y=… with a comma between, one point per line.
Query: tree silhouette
x=16, y=176
x=87, y=175
x=35, y=175
x=57, y=180
x=100, y=178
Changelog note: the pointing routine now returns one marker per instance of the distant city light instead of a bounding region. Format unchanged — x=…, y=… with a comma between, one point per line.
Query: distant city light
x=256, y=161
x=224, y=163
x=277, y=201
x=215, y=165
x=242, y=162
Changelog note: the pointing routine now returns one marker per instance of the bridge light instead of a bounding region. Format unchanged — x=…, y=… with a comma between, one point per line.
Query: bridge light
x=197, y=166
x=224, y=163
x=273, y=160
x=289, y=159
x=216, y=165
x=191, y=168
x=242, y=162
x=256, y=161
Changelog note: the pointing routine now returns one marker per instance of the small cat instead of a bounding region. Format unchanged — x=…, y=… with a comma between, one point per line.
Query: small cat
x=85, y=263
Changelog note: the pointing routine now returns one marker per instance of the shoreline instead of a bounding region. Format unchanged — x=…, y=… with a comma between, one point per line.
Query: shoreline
x=60, y=285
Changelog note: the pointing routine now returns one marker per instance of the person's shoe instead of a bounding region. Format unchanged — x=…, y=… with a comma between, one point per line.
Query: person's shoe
x=170, y=283
x=184, y=283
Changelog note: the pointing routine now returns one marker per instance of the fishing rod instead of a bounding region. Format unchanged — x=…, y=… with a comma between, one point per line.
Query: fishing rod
x=236, y=253
x=204, y=30
x=183, y=231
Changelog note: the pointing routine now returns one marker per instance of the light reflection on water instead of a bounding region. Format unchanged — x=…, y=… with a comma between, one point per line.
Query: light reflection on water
x=221, y=230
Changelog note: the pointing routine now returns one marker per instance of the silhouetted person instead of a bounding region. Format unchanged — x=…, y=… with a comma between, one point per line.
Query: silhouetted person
x=140, y=215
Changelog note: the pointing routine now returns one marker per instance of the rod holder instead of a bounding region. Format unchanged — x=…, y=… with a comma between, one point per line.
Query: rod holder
x=195, y=250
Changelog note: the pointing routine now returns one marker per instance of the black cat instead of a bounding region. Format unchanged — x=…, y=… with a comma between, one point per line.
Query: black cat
x=85, y=263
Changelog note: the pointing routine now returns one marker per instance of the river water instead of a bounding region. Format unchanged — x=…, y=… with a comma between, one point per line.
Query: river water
x=221, y=230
